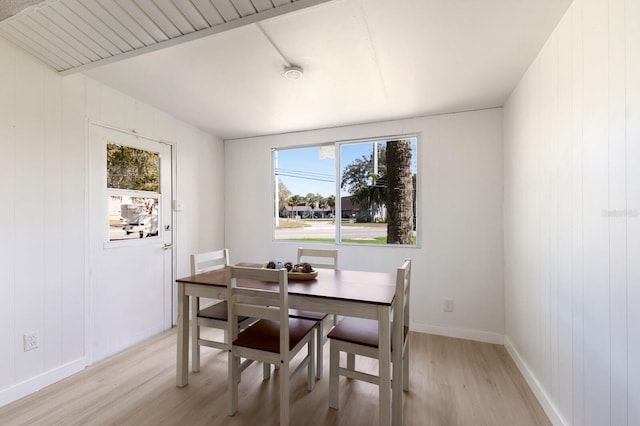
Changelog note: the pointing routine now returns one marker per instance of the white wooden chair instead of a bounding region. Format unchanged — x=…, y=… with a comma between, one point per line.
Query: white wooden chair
x=319, y=258
x=357, y=336
x=324, y=259
x=274, y=339
x=214, y=316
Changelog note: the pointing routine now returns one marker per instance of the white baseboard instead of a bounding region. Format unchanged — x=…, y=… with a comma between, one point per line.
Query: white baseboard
x=547, y=404
x=459, y=333
x=34, y=384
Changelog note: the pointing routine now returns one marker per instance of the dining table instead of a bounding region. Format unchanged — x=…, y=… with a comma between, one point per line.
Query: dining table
x=362, y=294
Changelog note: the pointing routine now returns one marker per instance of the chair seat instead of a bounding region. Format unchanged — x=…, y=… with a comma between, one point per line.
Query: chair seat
x=310, y=315
x=360, y=331
x=264, y=335
x=217, y=312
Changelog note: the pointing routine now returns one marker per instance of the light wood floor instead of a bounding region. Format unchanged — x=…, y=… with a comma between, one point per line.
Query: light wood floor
x=452, y=382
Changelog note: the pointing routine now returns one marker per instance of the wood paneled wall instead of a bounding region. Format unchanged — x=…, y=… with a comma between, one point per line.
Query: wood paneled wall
x=572, y=217
x=459, y=216
x=43, y=210
x=42, y=222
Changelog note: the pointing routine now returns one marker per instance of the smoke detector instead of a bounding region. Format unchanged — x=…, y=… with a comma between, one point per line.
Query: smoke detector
x=293, y=72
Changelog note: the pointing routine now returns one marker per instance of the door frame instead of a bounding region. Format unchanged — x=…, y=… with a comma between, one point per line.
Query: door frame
x=88, y=332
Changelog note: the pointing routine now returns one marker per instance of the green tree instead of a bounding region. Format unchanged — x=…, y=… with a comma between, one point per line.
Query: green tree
x=359, y=174
x=331, y=202
x=322, y=203
x=400, y=196
x=293, y=201
x=312, y=202
x=131, y=168
x=367, y=188
x=283, y=195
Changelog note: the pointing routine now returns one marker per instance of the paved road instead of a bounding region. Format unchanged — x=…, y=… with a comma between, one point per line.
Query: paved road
x=327, y=230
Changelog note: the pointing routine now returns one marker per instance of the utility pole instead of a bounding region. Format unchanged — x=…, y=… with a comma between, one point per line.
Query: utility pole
x=374, y=207
x=277, y=189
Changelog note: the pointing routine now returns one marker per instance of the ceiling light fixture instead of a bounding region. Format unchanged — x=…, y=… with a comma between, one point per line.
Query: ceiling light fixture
x=290, y=72
x=293, y=72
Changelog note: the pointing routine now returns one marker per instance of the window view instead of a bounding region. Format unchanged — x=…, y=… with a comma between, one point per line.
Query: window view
x=133, y=187
x=305, y=179
x=376, y=181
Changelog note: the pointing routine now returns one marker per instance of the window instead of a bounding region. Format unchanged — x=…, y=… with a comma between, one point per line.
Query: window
x=376, y=182
x=133, y=189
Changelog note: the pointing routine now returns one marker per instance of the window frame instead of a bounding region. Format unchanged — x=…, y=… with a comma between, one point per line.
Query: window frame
x=337, y=191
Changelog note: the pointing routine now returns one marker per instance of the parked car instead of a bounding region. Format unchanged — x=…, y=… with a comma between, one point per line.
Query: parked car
x=139, y=220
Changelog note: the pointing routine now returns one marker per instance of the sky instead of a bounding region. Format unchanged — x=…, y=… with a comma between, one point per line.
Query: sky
x=315, y=175
x=303, y=171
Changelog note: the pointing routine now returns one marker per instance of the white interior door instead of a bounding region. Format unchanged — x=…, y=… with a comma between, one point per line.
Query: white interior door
x=130, y=240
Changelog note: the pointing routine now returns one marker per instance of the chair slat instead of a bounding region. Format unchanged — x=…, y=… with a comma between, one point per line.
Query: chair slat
x=319, y=258
x=256, y=311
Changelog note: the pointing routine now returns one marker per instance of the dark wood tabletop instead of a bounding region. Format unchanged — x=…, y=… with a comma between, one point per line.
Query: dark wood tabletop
x=358, y=286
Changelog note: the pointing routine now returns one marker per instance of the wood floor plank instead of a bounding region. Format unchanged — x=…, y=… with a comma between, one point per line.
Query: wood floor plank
x=452, y=382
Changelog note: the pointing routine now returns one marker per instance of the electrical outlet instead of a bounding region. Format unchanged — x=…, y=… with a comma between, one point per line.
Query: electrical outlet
x=30, y=341
x=448, y=305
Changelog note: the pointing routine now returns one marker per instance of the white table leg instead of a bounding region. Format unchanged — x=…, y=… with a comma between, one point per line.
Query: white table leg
x=384, y=346
x=195, y=334
x=182, y=362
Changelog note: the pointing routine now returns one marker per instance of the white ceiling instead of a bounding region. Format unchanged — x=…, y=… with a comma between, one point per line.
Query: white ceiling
x=75, y=35
x=364, y=61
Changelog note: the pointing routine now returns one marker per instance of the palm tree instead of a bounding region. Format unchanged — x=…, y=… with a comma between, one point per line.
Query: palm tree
x=293, y=201
x=331, y=202
x=399, y=192
x=322, y=204
x=312, y=201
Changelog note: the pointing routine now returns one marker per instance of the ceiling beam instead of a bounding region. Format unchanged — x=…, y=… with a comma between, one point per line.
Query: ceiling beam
x=216, y=29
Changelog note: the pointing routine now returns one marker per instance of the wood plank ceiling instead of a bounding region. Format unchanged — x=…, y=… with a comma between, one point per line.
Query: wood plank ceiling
x=74, y=35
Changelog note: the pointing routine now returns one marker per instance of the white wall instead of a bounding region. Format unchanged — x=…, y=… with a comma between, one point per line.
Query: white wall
x=460, y=216
x=572, y=225
x=43, y=173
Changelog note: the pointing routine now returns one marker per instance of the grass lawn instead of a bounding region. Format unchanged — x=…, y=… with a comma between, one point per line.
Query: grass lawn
x=378, y=240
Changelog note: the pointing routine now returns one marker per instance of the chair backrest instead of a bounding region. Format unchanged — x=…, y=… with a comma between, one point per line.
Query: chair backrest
x=209, y=261
x=403, y=295
x=257, y=303
x=319, y=258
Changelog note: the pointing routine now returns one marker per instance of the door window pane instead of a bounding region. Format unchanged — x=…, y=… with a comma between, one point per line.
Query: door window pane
x=132, y=168
x=132, y=217
x=133, y=188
